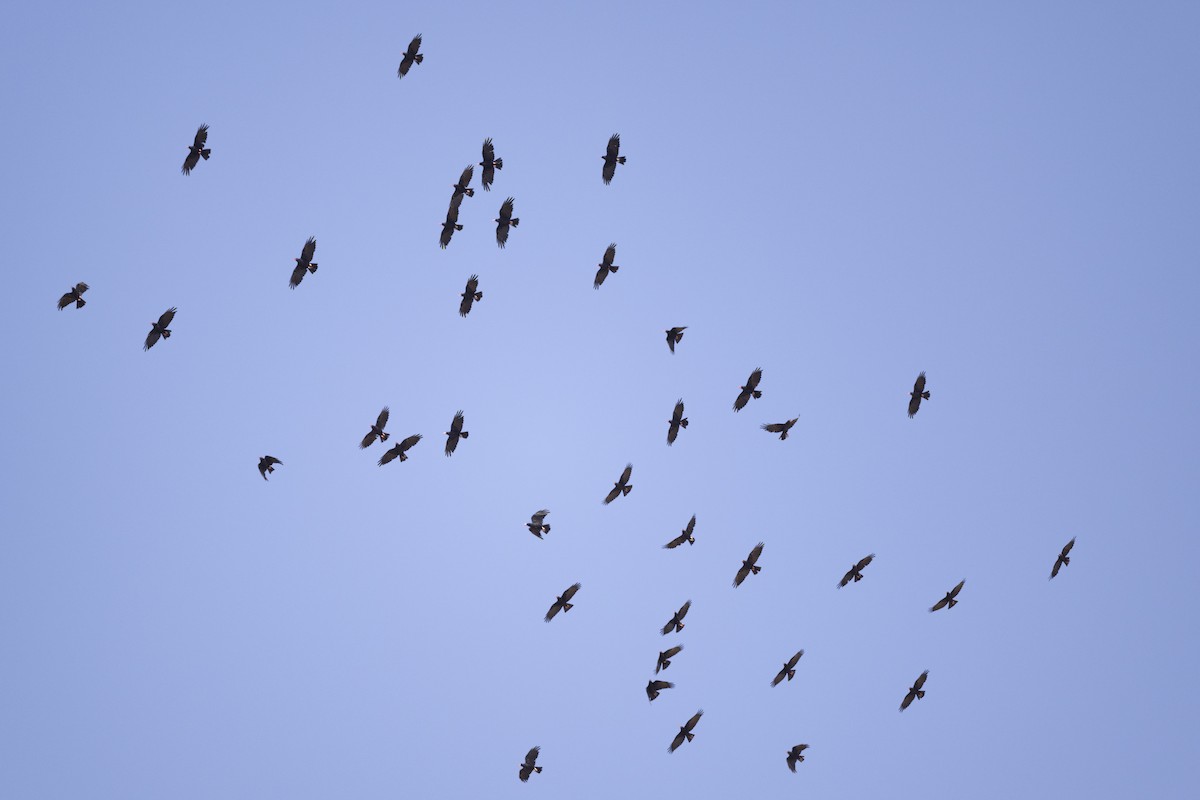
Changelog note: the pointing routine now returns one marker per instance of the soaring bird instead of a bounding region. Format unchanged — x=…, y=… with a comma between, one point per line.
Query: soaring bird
x=676, y=621
x=451, y=224
x=748, y=391
x=685, y=732
x=949, y=600
x=400, y=449
x=504, y=220
x=197, y=151
x=464, y=182
x=267, y=464
x=664, y=658
x=304, y=263
x=606, y=266
x=376, y=430
x=915, y=692
x=561, y=603
x=677, y=421
x=455, y=433
x=611, y=158
x=469, y=296
x=686, y=536
x=621, y=487
x=748, y=566
x=654, y=687
x=537, y=523
x=159, y=328
x=794, y=757
x=855, y=572
x=530, y=765
x=917, y=394
x=411, y=56
x=789, y=669
x=781, y=428
x=1063, y=559
x=490, y=164
x=675, y=336
x=74, y=296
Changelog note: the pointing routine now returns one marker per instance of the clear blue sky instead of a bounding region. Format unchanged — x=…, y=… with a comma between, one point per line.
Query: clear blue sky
x=844, y=194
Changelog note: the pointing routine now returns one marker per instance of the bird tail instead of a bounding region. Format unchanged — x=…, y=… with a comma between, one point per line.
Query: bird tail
x=683, y=422
x=80, y=303
x=1065, y=559
x=166, y=334
x=403, y=457
x=538, y=770
x=665, y=664
x=691, y=540
x=383, y=437
x=464, y=434
x=791, y=674
x=690, y=736
x=757, y=394
x=857, y=578
x=678, y=627
x=613, y=268
x=498, y=163
x=545, y=529
x=205, y=154
x=627, y=490
x=567, y=607
x=756, y=570
x=924, y=395
x=783, y=436
x=419, y=57
x=457, y=227
x=515, y=221
x=470, y=192
x=920, y=694
x=952, y=603
x=312, y=267
x=479, y=295
x=621, y=160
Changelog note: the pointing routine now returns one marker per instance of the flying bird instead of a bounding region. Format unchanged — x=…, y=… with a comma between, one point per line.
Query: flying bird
x=451, y=224
x=948, y=600
x=917, y=394
x=267, y=464
x=537, y=523
x=675, y=336
x=611, y=158
x=654, y=687
x=469, y=296
x=781, y=428
x=685, y=732
x=677, y=421
x=748, y=391
x=855, y=572
x=504, y=220
x=400, y=449
x=490, y=164
x=74, y=296
x=411, y=56
x=376, y=430
x=530, y=765
x=794, y=757
x=1063, y=559
x=748, y=566
x=676, y=621
x=159, y=328
x=789, y=669
x=686, y=536
x=621, y=487
x=455, y=433
x=464, y=182
x=915, y=692
x=606, y=266
x=304, y=263
x=562, y=604
x=664, y=658
x=197, y=150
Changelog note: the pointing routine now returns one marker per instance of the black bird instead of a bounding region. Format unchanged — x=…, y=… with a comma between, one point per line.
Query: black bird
x=1063, y=559
x=789, y=669
x=455, y=433
x=411, y=56
x=686, y=536
x=677, y=421
x=664, y=658
x=675, y=336
x=611, y=158
x=654, y=687
x=74, y=296
x=685, y=732
x=561, y=603
x=676, y=621
x=504, y=220
x=469, y=296
x=464, y=182
x=748, y=391
x=304, y=263
x=529, y=767
x=197, y=151
x=376, y=430
x=537, y=523
x=794, y=757
x=606, y=266
x=490, y=164
x=451, y=224
x=949, y=600
x=621, y=487
x=781, y=428
x=400, y=449
x=915, y=692
x=748, y=566
x=267, y=464
x=855, y=572
x=159, y=328
x=917, y=394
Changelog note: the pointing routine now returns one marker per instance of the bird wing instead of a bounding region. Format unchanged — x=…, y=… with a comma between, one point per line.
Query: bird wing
x=389, y=455
x=775, y=427
x=755, y=377
x=367, y=440
x=846, y=578
x=532, y=756
x=66, y=300
x=676, y=742
x=298, y=273
x=742, y=398
x=409, y=442
x=464, y=305
x=658, y=686
x=919, y=384
x=691, y=526
x=414, y=46
x=489, y=151
x=674, y=651
x=456, y=424
x=610, y=254
x=167, y=317
x=506, y=210
x=310, y=249
x=677, y=414
x=954, y=592
x=626, y=474
x=613, y=494
x=778, y=679
x=464, y=180
x=452, y=210
x=921, y=680
x=554, y=609
x=614, y=147
x=472, y=285
x=752, y=559
x=382, y=420
x=791, y=760
x=1058, y=563
x=201, y=138
x=691, y=723
x=601, y=274
x=272, y=460
x=907, y=701
x=940, y=604
x=914, y=403
x=570, y=592
x=678, y=540
x=80, y=288
x=683, y=610
x=190, y=161
x=1067, y=548
x=539, y=517
x=152, y=339
x=794, y=660
x=741, y=575
x=861, y=565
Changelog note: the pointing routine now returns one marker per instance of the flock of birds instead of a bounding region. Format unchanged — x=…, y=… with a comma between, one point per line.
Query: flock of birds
x=304, y=265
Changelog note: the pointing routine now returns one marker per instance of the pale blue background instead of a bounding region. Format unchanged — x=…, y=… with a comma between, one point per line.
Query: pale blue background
x=1003, y=194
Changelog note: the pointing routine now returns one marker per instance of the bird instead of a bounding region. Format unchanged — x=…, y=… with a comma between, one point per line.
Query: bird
x=451, y=224
x=529, y=767
x=266, y=464
x=621, y=487
x=794, y=757
x=455, y=433
x=677, y=421
x=611, y=158
x=654, y=687
x=685, y=536
x=748, y=391
x=197, y=150
x=676, y=621
x=74, y=296
x=490, y=164
x=748, y=566
x=561, y=603
x=917, y=394
x=411, y=56
x=400, y=449
x=675, y=336
x=948, y=600
x=789, y=669
x=781, y=428
x=664, y=658
x=1063, y=559
x=304, y=263
x=159, y=328
x=855, y=572
x=469, y=296
x=915, y=692
x=504, y=220
x=537, y=523
x=464, y=182
x=685, y=732
x=376, y=430
x=606, y=266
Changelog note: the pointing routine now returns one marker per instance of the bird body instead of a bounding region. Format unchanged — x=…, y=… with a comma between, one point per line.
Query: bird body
x=794, y=756
x=455, y=433
x=675, y=336
x=412, y=55
x=267, y=464
x=197, y=150
x=677, y=421
x=685, y=732
x=855, y=572
x=1063, y=559
x=748, y=391
x=529, y=766
x=789, y=669
x=160, y=328
x=676, y=621
x=664, y=658
x=654, y=687
x=305, y=263
x=490, y=164
x=537, y=523
x=504, y=221
x=562, y=602
x=451, y=224
x=915, y=692
x=917, y=395
x=606, y=266
x=400, y=449
x=376, y=431
x=948, y=601
x=612, y=157
x=464, y=182
x=73, y=296
x=749, y=565
x=685, y=536
x=622, y=487
x=781, y=428
x=470, y=296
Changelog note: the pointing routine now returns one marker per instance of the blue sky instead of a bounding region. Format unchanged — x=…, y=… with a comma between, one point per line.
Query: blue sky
x=1002, y=195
